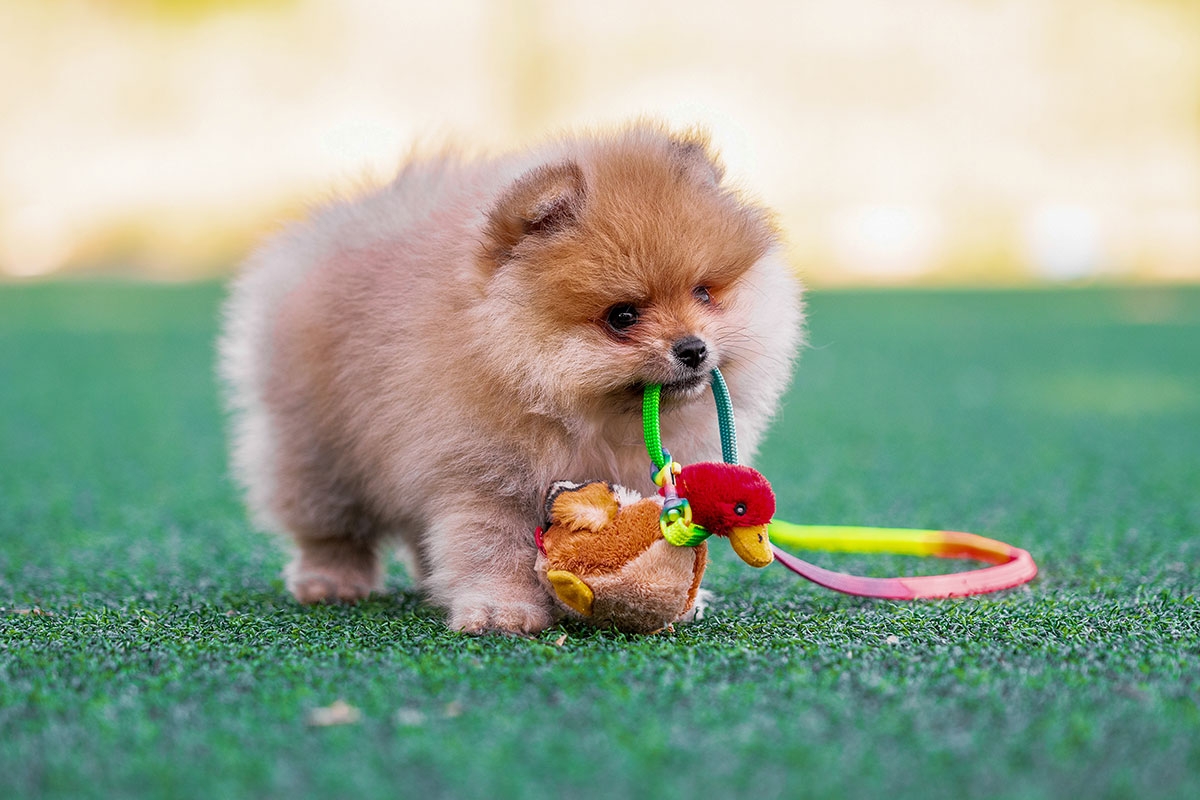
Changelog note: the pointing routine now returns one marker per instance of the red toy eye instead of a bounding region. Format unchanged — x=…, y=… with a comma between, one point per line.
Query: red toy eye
x=740, y=509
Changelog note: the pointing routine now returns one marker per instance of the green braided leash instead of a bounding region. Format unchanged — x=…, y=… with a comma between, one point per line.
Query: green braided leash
x=1010, y=566
x=651, y=433
x=729, y=448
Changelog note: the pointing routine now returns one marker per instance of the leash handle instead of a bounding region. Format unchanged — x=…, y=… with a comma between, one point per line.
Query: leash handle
x=652, y=430
x=1010, y=566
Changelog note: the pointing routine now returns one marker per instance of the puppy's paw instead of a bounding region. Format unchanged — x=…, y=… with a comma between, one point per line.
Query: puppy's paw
x=491, y=616
x=327, y=586
x=699, y=606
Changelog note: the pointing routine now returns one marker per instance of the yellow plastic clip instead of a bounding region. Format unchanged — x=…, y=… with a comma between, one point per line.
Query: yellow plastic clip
x=669, y=470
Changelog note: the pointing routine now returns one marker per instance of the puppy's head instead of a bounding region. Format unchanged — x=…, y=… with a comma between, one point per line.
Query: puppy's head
x=625, y=262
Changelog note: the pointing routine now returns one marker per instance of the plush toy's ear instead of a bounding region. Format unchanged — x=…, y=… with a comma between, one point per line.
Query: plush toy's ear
x=589, y=507
x=572, y=590
x=541, y=202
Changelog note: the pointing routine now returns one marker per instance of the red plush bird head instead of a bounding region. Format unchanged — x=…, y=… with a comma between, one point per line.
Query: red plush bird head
x=734, y=501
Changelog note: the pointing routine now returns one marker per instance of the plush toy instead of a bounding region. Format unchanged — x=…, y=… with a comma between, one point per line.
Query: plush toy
x=604, y=556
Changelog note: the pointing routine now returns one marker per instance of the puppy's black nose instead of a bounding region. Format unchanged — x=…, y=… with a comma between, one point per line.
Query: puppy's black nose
x=691, y=351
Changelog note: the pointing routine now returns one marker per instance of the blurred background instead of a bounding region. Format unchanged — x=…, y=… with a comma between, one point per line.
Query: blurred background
x=990, y=142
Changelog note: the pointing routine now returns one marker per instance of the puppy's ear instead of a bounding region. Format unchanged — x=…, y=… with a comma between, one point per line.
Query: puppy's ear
x=541, y=202
x=693, y=157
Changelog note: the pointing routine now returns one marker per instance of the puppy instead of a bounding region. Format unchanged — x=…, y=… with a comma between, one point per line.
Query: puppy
x=418, y=365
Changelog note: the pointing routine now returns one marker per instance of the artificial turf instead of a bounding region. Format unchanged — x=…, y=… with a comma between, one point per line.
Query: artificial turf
x=148, y=649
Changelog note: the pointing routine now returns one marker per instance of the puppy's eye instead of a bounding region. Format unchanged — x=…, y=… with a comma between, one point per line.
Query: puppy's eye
x=622, y=317
x=740, y=509
x=701, y=294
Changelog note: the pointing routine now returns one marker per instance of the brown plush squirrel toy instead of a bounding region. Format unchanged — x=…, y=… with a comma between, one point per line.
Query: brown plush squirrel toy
x=603, y=556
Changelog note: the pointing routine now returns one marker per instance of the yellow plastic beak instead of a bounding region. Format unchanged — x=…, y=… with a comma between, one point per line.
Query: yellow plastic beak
x=752, y=545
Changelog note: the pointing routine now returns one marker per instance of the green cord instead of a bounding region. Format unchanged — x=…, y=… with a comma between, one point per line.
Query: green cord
x=729, y=447
x=650, y=428
x=652, y=432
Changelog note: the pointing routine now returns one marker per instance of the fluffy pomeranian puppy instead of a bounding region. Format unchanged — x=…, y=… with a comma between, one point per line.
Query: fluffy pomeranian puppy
x=417, y=366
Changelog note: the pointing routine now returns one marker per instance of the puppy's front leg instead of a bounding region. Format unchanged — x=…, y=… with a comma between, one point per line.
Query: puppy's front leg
x=481, y=568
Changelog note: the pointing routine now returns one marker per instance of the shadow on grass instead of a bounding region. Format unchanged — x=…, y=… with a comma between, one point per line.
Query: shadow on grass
x=392, y=603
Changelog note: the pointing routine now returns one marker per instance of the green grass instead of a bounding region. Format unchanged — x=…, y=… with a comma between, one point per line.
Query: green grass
x=169, y=662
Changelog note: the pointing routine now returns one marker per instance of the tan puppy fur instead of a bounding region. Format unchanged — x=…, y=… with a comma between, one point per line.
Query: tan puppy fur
x=419, y=365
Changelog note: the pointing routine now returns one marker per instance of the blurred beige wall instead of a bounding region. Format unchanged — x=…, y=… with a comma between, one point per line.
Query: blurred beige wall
x=958, y=141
